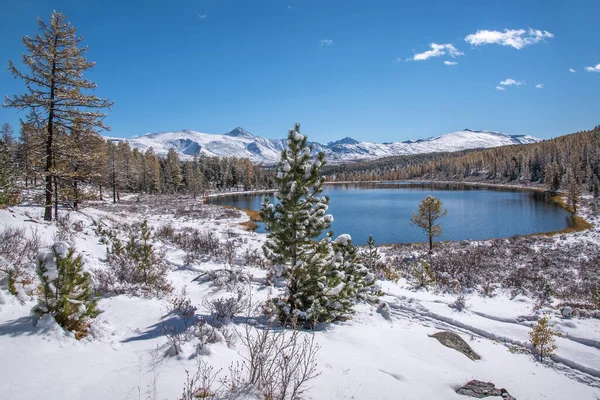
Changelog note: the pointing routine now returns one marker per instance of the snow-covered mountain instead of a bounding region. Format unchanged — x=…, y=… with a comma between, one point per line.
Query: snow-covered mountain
x=241, y=143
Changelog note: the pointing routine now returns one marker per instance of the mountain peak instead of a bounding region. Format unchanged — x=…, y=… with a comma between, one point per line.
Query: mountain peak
x=239, y=132
x=346, y=140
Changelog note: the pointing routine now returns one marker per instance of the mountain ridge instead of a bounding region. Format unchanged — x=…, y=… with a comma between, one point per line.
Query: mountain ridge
x=240, y=143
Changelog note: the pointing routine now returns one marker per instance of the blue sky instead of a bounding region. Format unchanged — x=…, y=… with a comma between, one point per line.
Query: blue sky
x=341, y=68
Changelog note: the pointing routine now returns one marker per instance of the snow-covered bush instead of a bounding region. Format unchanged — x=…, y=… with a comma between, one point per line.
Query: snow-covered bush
x=197, y=243
x=387, y=271
x=134, y=267
x=460, y=302
x=254, y=258
x=421, y=274
x=18, y=251
x=181, y=305
x=279, y=363
x=195, y=330
x=65, y=290
x=63, y=228
x=229, y=279
x=223, y=309
x=202, y=385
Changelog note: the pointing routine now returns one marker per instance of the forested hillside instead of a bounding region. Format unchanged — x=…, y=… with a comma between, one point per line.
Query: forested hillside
x=569, y=159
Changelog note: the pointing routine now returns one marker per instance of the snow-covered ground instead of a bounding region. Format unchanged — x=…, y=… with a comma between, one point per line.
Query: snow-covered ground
x=368, y=357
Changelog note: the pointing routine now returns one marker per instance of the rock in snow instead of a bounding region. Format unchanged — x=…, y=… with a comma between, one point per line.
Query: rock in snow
x=479, y=390
x=567, y=311
x=384, y=310
x=457, y=343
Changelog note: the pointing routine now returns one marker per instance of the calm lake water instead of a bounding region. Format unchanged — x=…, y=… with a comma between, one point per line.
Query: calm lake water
x=384, y=210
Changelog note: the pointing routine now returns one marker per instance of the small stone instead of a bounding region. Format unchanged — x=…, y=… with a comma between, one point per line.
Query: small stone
x=453, y=341
x=384, y=310
x=479, y=390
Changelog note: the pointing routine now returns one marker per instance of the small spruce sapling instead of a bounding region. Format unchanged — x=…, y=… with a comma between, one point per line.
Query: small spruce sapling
x=372, y=256
x=542, y=337
x=422, y=274
x=65, y=289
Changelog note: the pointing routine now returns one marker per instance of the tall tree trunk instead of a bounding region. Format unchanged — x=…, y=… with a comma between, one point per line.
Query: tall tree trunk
x=48, y=205
x=55, y=198
x=76, y=195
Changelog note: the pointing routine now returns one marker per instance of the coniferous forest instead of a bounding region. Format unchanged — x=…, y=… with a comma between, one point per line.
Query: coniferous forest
x=557, y=162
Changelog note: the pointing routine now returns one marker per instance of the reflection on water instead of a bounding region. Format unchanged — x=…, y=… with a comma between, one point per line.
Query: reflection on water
x=474, y=212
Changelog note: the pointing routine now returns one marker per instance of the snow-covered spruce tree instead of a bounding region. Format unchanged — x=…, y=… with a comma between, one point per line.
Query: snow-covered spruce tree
x=65, y=289
x=348, y=280
x=309, y=267
x=294, y=222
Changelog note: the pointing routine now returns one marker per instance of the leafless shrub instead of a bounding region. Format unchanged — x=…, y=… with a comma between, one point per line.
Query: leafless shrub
x=228, y=252
x=165, y=232
x=63, y=228
x=201, y=385
x=223, y=309
x=181, y=305
x=198, y=243
x=78, y=226
x=280, y=363
x=254, y=258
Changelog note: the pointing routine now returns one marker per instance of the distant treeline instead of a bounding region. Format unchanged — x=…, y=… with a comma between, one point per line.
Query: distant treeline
x=558, y=162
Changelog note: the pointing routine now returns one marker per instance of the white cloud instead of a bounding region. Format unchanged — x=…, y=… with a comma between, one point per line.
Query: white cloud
x=517, y=38
x=450, y=62
x=539, y=86
x=511, y=82
x=398, y=60
x=499, y=88
x=438, y=50
x=593, y=69
x=572, y=70
x=326, y=42
x=202, y=16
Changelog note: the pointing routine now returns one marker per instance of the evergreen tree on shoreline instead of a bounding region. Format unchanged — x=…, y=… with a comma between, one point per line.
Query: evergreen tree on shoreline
x=324, y=278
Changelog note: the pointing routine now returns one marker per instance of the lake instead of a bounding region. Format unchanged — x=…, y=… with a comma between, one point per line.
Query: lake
x=384, y=210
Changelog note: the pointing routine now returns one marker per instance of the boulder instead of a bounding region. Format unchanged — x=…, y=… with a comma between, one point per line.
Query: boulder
x=479, y=390
x=567, y=311
x=455, y=342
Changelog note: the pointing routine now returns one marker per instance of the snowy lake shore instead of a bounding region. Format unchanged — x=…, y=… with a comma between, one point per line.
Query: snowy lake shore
x=127, y=354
